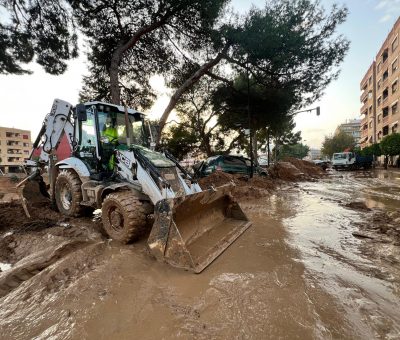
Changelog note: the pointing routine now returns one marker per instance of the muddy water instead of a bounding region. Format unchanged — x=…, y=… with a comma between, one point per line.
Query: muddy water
x=296, y=273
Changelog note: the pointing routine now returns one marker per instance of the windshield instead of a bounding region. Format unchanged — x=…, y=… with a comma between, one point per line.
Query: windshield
x=339, y=155
x=158, y=159
x=112, y=127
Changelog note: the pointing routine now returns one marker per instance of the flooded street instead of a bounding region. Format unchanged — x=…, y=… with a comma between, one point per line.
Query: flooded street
x=297, y=273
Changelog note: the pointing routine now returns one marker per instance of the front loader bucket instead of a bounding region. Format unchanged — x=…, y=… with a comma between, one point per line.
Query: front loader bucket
x=192, y=231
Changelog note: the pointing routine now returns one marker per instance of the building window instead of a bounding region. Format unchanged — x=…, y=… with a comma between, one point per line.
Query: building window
x=25, y=136
x=385, y=111
x=379, y=118
x=26, y=145
x=379, y=83
x=379, y=101
x=385, y=130
x=395, y=66
x=385, y=94
x=394, y=86
x=385, y=75
x=379, y=66
x=395, y=43
x=385, y=55
x=9, y=134
x=394, y=108
x=394, y=128
x=370, y=80
x=370, y=125
x=26, y=152
x=370, y=110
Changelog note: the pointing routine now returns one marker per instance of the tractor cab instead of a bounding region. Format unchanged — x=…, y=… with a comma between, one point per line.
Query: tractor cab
x=101, y=128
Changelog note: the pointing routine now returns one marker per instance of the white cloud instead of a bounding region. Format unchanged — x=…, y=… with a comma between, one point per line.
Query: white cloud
x=390, y=9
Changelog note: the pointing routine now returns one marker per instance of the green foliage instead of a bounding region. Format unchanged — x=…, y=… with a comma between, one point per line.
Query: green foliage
x=390, y=145
x=337, y=143
x=180, y=141
x=140, y=39
x=14, y=179
x=42, y=31
x=298, y=150
x=198, y=125
x=371, y=150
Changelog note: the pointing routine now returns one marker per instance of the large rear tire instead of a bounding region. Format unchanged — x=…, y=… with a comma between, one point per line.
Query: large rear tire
x=68, y=193
x=124, y=216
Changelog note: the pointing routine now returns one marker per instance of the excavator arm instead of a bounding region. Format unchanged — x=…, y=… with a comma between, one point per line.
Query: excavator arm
x=56, y=123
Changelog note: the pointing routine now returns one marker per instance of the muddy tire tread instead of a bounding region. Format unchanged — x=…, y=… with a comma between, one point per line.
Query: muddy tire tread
x=134, y=216
x=75, y=183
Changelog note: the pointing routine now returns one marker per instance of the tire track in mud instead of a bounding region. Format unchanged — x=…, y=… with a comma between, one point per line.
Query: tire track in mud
x=35, y=263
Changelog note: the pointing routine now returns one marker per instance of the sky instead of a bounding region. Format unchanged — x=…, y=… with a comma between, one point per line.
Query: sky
x=25, y=100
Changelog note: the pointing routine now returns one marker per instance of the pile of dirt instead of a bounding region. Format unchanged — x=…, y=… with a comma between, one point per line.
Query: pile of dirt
x=12, y=215
x=245, y=187
x=293, y=169
x=286, y=171
x=306, y=167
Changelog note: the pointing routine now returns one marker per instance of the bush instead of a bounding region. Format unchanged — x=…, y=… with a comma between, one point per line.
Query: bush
x=14, y=179
x=390, y=145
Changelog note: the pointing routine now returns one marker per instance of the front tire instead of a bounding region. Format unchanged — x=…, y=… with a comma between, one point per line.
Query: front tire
x=123, y=215
x=68, y=194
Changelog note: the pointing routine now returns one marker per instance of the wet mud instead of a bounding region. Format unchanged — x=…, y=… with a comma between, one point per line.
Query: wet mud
x=299, y=272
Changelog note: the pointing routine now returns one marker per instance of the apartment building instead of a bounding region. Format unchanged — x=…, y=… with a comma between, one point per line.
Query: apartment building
x=380, y=92
x=15, y=146
x=351, y=127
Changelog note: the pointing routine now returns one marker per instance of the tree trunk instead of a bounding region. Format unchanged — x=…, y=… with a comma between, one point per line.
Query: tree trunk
x=255, y=153
x=193, y=79
x=114, y=76
x=268, y=149
x=116, y=58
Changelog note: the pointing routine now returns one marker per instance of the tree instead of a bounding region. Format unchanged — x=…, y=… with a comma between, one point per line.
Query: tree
x=297, y=150
x=132, y=40
x=390, y=146
x=289, y=46
x=39, y=30
x=337, y=143
x=198, y=125
x=371, y=150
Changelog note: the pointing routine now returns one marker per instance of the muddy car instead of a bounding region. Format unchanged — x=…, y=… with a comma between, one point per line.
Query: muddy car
x=323, y=164
x=226, y=163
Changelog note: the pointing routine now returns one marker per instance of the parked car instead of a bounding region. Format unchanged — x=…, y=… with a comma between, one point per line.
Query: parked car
x=226, y=163
x=323, y=164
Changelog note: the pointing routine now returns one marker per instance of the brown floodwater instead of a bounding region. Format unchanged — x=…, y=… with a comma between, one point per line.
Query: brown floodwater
x=297, y=273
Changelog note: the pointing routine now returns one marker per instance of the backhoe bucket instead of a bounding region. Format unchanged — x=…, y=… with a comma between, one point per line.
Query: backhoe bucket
x=32, y=190
x=192, y=231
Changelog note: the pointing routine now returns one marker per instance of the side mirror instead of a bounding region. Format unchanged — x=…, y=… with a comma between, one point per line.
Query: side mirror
x=80, y=111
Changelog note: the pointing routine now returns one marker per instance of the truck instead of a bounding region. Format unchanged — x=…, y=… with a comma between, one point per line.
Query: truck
x=351, y=161
x=115, y=167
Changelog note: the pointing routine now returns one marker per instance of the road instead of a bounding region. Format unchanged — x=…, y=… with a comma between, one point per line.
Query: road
x=297, y=273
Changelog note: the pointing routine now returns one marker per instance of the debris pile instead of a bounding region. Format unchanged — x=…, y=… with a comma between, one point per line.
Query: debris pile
x=293, y=169
x=381, y=226
x=246, y=187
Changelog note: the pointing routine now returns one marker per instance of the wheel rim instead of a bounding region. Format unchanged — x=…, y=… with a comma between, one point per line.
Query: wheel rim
x=116, y=219
x=66, y=196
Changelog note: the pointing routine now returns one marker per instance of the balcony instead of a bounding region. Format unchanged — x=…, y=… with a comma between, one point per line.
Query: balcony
x=364, y=96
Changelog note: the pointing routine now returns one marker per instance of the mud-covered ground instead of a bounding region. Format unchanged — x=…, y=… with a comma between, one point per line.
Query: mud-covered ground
x=321, y=260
